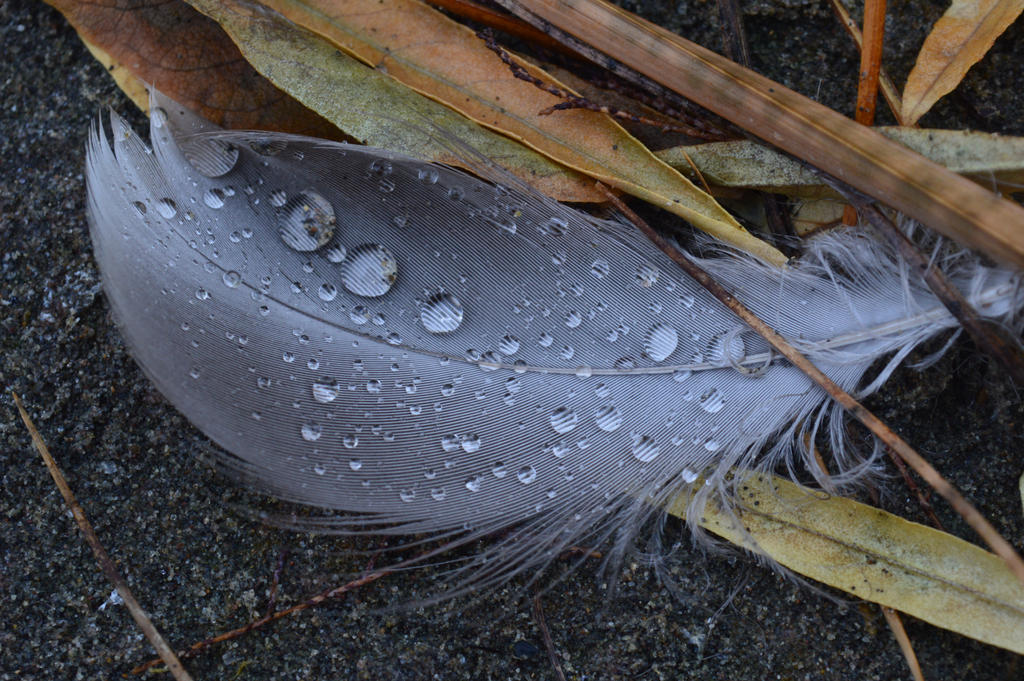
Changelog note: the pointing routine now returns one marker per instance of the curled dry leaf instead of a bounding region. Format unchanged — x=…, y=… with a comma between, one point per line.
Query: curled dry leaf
x=423, y=49
x=876, y=556
x=957, y=41
x=183, y=53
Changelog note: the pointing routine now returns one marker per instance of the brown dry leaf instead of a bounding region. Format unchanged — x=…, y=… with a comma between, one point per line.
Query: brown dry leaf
x=442, y=59
x=189, y=58
x=959, y=39
x=876, y=556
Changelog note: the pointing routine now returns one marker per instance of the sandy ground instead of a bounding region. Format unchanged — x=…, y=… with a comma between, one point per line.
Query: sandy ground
x=200, y=567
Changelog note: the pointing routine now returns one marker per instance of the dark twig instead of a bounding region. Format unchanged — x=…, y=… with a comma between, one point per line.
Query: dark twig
x=106, y=564
x=549, y=645
x=922, y=500
x=974, y=518
x=276, y=581
x=573, y=101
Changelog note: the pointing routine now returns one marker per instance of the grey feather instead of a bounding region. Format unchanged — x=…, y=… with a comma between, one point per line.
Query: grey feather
x=431, y=353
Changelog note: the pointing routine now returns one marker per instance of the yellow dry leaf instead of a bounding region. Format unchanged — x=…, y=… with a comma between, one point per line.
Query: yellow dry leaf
x=876, y=556
x=959, y=39
x=423, y=49
x=365, y=103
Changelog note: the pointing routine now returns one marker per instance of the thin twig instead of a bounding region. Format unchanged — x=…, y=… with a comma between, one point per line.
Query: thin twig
x=947, y=491
x=106, y=564
x=333, y=592
x=896, y=624
x=542, y=624
x=926, y=505
x=571, y=100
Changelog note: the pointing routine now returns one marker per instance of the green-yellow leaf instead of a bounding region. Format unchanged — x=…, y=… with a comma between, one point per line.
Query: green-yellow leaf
x=876, y=556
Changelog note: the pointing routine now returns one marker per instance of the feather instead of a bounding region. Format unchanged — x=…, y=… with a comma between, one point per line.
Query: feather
x=430, y=353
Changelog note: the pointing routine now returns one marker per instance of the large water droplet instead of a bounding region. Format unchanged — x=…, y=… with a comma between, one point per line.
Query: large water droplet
x=211, y=157
x=563, y=420
x=306, y=222
x=645, y=449
x=326, y=390
x=441, y=312
x=660, y=342
x=608, y=418
x=369, y=270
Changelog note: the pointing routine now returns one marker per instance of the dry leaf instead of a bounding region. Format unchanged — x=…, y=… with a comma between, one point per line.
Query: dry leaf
x=188, y=57
x=957, y=41
x=366, y=103
x=444, y=60
x=876, y=556
x=995, y=161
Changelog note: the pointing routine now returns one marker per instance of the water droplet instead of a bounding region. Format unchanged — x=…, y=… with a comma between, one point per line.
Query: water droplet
x=470, y=443
x=313, y=363
x=456, y=193
x=369, y=270
x=566, y=352
x=608, y=418
x=450, y=443
x=407, y=495
x=202, y=294
x=660, y=342
x=624, y=363
x=232, y=279
x=441, y=312
x=563, y=419
x=326, y=390
x=554, y=226
x=214, y=198
x=355, y=464
x=139, y=206
x=509, y=344
x=711, y=445
x=350, y=441
x=647, y=275
x=526, y=474
x=359, y=315
x=167, y=208
x=194, y=372
x=600, y=268
x=427, y=175
x=211, y=157
x=712, y=401
x=584, y=371
x=393, y=338
x=158, y=117
x=327, y=292
x=680, y=375
x=645, y=448
x=474, y=483
x=266, y=146
x=311, y=431
x=288, y=357
x=306, y=222
x=373, y=385
x=573, y=319
x=545, y=340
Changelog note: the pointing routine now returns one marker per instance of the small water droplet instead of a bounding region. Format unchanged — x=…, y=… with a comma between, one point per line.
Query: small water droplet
x=441, y=312
x=311, y=431
x=660, y=342
x=608, y=418
x=139, y=206
x=393, y=338
x=573, y=319
x=554, y=226
x=474, y=483
x=266, y=146
x=326, y=389
x=306, y=222
x=647, y=275
x=194, y=372
x=680, y=375
x=355, y=464
x=211, y=157
x=373, y=385
x=438, y=494
x=645, y=449
x=335, y=253
x=214, y=198
x=450, y=443
x=327, y=292
x=350, y=441
x=359, y=315
x=526, y=474
x=288, y=357
x=232, y=279
x=545, y=340
x=407, y=495
x=566, y=352
x=600, y=268
x=711, y=445
x=584, y=371
x=712, y=401
x=427, y=175
x=202, y=294
x=369, y=270
x=563, y=419
x=470, y=443
x=509, y=344
x=278, y=198
x=167, y=208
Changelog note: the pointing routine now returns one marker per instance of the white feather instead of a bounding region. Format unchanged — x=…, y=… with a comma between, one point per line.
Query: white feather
x=370, y=333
